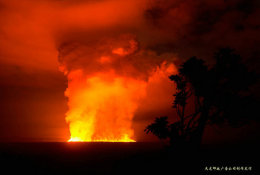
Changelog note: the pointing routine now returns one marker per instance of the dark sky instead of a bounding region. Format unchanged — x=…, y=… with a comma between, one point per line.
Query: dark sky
x=36, y=37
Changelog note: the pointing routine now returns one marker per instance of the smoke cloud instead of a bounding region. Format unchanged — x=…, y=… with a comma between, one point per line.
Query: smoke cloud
x=141, y=40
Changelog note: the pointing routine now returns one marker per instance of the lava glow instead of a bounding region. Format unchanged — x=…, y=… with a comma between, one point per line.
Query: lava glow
x=102, y=106
x=107, y=83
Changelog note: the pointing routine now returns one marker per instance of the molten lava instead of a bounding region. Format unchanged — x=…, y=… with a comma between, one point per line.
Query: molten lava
x=102, y=106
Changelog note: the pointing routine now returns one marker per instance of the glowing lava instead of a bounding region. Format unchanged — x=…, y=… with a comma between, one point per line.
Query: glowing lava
x=102, y=106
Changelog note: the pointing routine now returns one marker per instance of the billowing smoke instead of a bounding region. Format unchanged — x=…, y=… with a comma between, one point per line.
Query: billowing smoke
x=107, y=81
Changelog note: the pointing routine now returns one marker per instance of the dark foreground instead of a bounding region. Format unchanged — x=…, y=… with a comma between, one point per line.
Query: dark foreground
x=123, y=158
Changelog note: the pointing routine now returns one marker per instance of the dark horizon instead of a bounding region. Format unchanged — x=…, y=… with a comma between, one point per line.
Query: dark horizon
x=118, y=158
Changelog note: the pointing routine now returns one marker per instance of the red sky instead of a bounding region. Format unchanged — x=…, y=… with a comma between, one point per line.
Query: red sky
x=33, y=34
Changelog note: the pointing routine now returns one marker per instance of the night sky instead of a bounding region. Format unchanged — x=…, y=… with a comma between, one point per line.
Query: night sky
x=41, y=41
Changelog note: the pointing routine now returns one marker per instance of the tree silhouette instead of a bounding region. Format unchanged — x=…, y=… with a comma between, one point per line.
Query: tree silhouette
x=220, y=94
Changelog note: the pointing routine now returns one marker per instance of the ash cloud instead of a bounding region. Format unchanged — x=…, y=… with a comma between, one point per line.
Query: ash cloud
x=177, y=28
x=41, y=28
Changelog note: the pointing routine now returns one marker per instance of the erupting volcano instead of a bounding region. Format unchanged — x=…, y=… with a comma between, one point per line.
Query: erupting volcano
x=106, y=85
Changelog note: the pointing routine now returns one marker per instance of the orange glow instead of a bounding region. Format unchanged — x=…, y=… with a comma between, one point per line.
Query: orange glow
x=133, y=46
x=107, y=86
x=104, y=59
x=102, y=106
